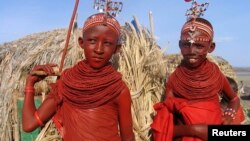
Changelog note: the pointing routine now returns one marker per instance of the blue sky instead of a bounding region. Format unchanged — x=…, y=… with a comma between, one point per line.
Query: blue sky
x=231, y=21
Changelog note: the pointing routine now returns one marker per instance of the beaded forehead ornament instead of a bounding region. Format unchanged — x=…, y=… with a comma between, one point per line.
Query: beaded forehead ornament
x=194, y=27
x=108, y=10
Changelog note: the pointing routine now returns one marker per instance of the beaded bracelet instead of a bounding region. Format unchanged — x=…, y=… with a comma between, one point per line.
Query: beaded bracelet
x=38, y=119
x=230, y=112
x=29, y=89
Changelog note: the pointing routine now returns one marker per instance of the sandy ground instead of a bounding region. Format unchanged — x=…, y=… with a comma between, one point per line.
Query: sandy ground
x=246, y=96
x=245, y=101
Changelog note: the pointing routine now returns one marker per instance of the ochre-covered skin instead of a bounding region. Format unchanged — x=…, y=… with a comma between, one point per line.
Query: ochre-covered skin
x=89, y=101
x=192, y=90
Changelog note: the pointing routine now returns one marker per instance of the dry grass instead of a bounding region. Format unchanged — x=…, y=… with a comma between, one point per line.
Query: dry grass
x=143, y=66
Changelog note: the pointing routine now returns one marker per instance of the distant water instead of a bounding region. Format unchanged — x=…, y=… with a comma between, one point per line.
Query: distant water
x=243, y=74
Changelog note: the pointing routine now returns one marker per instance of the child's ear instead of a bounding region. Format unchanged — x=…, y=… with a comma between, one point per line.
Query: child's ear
x=179, y=43
x=118, y=48
x=212, y=47
x=80, y=42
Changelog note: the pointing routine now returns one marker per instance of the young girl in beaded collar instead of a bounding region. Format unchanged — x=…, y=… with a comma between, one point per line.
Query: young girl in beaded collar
x=89, y=101
x=192, y=90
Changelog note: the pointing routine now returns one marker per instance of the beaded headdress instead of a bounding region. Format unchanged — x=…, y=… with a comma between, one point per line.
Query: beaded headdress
x=193, y=26
x=108, y=10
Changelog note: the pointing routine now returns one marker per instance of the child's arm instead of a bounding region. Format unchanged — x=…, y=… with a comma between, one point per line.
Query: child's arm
x=125, y=116
x=233, y=104
x=181, y=129
x=195, y=130
x=32, y=117
x=169, y=89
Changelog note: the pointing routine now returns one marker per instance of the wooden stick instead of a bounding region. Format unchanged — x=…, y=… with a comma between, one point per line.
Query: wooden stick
x=16, y=119
x=43, y=73
x=68, y=35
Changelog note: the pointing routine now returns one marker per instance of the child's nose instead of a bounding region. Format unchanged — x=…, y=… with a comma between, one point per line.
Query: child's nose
x=192, y=48
x=99, y=48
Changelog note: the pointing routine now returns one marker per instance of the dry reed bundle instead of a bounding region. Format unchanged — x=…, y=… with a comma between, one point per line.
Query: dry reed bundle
x=49, y=133
x=143, y=67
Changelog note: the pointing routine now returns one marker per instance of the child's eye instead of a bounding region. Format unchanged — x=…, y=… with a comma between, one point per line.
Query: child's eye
x=185, y=45
x=92, y=41
x=199, y=46
x=108, y=43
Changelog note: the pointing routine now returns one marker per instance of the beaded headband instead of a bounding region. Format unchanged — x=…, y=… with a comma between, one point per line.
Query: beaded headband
x=194, y=27
x=108, y=11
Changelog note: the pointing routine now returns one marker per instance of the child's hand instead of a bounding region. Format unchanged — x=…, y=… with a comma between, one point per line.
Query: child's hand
x=228, y=116
x=39, y=72
x=201, y=131
x=226, y=120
